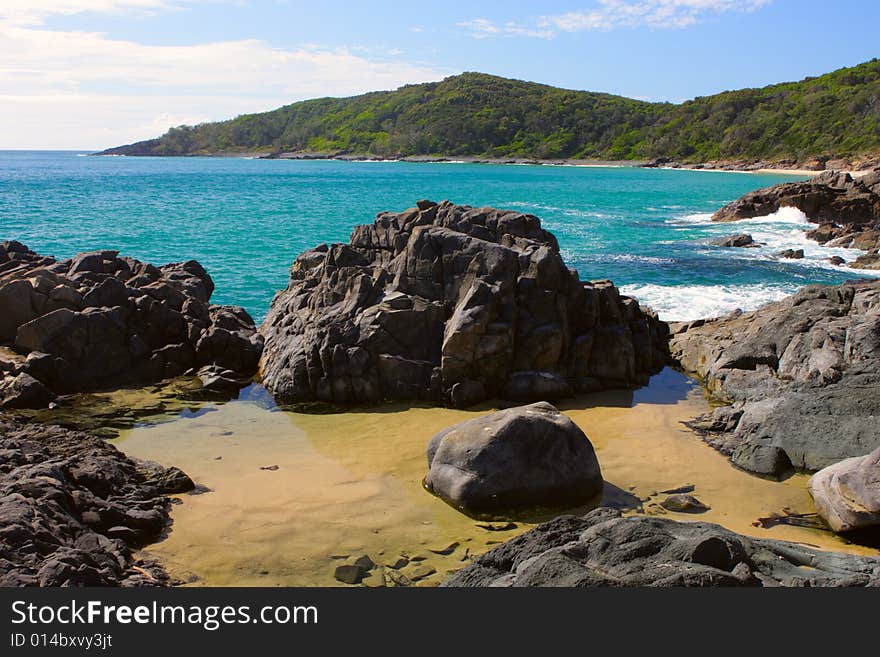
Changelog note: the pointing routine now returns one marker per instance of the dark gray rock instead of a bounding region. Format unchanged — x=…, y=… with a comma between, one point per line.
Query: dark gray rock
x=683, y=503
x=451, y=304
x=847, y=494
x=832, y=197
x=99, y=321
x=514, y=461
x=736, y=241
x=23, y=391
x=799, y=377
x=792, y=254
x=846, y=209
x=350, y=574
x=73, y=509
x=605, y=549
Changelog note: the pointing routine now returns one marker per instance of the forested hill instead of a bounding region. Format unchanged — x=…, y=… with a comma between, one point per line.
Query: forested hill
x=473, y=114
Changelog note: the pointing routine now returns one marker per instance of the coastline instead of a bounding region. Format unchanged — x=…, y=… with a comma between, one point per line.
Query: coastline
x=856, y=170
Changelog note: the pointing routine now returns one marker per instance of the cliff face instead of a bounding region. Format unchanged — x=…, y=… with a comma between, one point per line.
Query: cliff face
x=451, y=304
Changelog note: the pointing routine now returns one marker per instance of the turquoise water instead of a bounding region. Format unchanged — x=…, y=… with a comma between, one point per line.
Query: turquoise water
x=246, y=220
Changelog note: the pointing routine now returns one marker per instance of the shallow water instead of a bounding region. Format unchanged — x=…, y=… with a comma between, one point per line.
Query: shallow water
x=246, y=220
x=350, y=484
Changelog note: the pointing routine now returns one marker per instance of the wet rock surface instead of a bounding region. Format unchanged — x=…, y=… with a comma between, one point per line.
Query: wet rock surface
x=100, y=320
x=514, y=461
x=832, y=197
x=605, y=549
x=451, y=304
x=847, y=209
x=743, y=240
x=847, y=494
x=73, y=508
x=799, y=378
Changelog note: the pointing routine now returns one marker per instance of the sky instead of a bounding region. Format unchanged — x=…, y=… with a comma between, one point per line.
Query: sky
x=90, y=74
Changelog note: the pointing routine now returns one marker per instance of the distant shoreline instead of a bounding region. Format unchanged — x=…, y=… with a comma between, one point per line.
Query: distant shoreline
x=720, y=166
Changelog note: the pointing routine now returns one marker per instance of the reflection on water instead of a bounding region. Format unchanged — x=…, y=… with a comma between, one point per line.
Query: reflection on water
x=349, y=484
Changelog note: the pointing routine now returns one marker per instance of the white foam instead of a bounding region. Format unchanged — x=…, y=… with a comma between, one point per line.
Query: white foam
x=681, y=303
x=698, y=218
x=651, y=260
x=787, y=215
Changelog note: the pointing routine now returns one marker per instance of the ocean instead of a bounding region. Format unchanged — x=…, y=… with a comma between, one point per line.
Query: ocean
x=246, y=220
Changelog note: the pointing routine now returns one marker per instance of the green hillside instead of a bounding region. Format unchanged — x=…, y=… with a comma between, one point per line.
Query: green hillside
x=473, y=114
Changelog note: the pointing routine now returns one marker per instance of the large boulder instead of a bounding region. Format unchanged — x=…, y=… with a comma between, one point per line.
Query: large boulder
x=74, y=510
x=847, y=494
x=100, y=320
x=605, y=549
x=451, y=304
x=797, y=379
x=514, y=461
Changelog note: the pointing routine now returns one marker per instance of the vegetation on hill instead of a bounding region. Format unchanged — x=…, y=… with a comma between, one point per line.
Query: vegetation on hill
x=473, y=114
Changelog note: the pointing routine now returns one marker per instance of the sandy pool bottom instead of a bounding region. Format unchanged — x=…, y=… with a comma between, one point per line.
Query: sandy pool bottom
x=292, y=495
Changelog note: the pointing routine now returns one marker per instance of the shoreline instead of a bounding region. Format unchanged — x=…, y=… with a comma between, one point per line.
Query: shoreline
x=717, y=167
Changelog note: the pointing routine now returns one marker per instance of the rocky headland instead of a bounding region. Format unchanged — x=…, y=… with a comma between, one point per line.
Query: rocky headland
x=99, y=321
x=451, y=304
x=846, y=209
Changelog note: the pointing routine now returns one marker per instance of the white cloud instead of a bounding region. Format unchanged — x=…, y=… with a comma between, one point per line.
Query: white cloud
x=612, y=14
x=67, y=89
x=482, y=28
x=35, y=12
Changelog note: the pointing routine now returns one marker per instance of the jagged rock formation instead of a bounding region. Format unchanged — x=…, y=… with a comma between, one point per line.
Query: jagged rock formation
x=799, y=376
x=451, y=304
x=517, y=460
x=72, y=509
x=100, y=320
x=605, y=549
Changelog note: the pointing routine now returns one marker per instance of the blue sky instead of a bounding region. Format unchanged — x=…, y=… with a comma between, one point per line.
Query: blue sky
x=95, y=73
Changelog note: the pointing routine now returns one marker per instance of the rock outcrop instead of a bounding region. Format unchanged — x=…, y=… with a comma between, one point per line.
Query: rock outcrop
x=72, y=509
x=514, y=461
x=742, y=240
x=832, y=197
x=99, y=320
x=799, y=378
x=847, y=494
x=451, y=304
x=605, y=549
x=847, y=209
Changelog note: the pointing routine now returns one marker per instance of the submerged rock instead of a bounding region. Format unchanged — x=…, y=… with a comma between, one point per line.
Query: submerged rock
x=736, y=241
x=451, y=304
x=100, y=320
x=847, y=494
x=800, y=378
x=605, y=549
x=515, y=460
x=72, y=509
